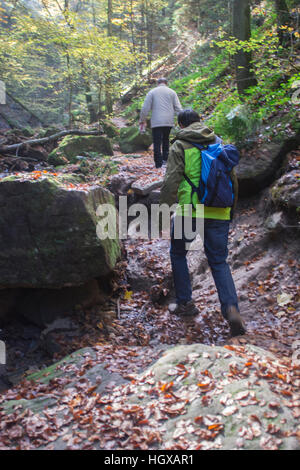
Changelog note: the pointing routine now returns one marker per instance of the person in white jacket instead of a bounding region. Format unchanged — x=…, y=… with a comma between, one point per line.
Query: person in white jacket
x=164, y=104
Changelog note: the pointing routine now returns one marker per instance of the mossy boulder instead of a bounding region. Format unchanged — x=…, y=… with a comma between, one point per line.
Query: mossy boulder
x=57, y=159
x=72, y=146
x=285, y=193
x=48, y=232
x=110, y=129
x=131, y=140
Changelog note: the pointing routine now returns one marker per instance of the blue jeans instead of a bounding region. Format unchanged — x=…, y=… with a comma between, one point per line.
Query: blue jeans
x=216, y=250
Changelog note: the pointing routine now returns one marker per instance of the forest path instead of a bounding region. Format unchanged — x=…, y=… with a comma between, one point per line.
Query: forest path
x=136, y=314
x=265, y=273
x=133, y=328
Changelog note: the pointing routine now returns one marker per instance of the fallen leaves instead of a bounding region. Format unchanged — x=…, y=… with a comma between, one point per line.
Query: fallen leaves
x=284, y=299
x=229, y=410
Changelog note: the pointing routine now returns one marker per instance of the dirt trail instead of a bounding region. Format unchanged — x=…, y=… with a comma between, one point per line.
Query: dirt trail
x=266, y=272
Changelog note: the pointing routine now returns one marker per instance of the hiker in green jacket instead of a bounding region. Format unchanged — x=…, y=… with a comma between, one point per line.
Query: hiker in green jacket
x=185, y=158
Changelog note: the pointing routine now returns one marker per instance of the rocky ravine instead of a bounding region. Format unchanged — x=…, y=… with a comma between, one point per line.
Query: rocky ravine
x=132, y=333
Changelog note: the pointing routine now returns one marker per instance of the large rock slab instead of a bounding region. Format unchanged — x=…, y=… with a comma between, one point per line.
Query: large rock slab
x=48, y=232
x=131, y=140
x=194, y=397
x=259, y=168
x=15, y=115
x=257, y=171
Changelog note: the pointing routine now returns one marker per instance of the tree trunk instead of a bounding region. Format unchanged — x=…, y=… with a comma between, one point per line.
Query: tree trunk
x=89, y=103
x=283, y=18
x=142, y=36
x=109, y=17
x=70, y=97
x=241, y=29
x=88, y=95
x=149, y=27
x=108, y=96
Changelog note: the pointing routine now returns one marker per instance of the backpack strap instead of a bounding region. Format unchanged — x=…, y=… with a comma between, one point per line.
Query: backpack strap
x=193, y=186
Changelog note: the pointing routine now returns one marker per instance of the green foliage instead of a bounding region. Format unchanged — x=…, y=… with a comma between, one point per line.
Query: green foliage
x=262, y=105
x=205, y=15
x=201, y=88
x=62, y=61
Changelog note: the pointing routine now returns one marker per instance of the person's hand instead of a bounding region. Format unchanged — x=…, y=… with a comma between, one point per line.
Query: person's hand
x=143, y=126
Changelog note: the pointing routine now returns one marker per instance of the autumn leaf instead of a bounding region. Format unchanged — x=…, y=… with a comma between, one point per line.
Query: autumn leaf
x=128, y=295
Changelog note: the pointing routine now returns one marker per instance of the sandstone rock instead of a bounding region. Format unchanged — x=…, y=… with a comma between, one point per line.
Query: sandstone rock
x=285, y=192
x=132, y=141
x=48, y=233
x=274, y=222
x=144, y=188
x=110, y=129
x=15, y=115
x=120, y=184
x=57, y=159
x=71, y=146
x=256, y=172
x=216, y=407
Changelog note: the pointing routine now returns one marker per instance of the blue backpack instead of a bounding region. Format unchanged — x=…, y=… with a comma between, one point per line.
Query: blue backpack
x=215, y=187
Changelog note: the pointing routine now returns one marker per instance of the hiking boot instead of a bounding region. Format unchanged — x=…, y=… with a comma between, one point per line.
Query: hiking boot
x=236, y=324
x=187, y=309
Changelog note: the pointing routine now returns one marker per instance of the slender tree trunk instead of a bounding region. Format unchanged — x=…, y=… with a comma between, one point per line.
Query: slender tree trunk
x=100, y=102
x=88, y=95
x=142, y=35
x=241, y=28
x=70, y=83
x=109, y=17
x=149, y=27
x=133, y=38
x=230, y=32
x=283, y=18
x=108, y=95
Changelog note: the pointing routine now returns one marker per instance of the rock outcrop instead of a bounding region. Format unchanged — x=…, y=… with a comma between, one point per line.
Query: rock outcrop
x=257, y=170
x=48, y=232
x=285, y=193
x=131, y=140
x=72, y=146
x=194, y=397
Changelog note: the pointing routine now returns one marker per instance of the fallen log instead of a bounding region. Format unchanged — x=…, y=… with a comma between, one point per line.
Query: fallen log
x=45, y=140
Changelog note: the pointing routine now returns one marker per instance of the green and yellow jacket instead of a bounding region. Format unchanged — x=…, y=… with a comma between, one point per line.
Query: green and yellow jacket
x=185, y=158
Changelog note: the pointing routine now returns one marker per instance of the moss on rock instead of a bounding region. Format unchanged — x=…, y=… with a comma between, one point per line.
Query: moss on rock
x=132, y=141
x=54, y=241
x=72, y=146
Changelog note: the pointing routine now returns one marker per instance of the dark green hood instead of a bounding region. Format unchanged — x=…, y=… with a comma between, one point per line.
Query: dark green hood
x=197, y=133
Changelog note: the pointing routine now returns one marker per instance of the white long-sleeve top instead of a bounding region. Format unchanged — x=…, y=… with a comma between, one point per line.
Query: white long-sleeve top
x=164, y=104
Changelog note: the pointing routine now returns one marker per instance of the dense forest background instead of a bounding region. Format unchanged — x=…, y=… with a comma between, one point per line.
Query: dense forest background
x=70, y=61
